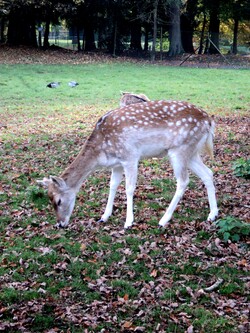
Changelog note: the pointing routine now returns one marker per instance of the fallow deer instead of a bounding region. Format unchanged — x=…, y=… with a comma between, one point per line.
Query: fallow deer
x=124, y=136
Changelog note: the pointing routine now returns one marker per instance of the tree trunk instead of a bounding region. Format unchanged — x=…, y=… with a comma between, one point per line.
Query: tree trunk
x=154, y=31
x=21, y=28
x=135, y=29
x=235, y=38
x=146, y=32
x=135, y=42
x=214, y=29
x=202, y=33
x=115, y=37
x=78, y=39
x=2, y=37
x=188, y=25
x=187, y=38
x=175, y=47
x=46, y=34
x=161, y=44
x=89, y=37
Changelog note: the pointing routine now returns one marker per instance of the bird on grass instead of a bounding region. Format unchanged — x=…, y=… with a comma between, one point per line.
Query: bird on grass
x=53, y=84
x=73, y=84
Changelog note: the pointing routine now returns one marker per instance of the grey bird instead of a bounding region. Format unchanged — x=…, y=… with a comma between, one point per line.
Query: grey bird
x=73, y=84
x=53, y=84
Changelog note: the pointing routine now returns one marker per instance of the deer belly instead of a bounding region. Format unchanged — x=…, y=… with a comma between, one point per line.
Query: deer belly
x=154, y=144
x=153, y=150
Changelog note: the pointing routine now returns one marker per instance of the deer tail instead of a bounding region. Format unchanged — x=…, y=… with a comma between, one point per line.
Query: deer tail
x=209, y=145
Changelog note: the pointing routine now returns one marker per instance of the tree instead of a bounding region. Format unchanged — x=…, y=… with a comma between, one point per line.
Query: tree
x=203, y=27
x=238, y=10
x=175, y=47
x=89, y=11
x=154, y=29
x=118, y=23
x=115, y=25
x=3, y=21
x=188, y=25
x=24, y=17
x=214, y=26
x=135, y=24
x=22, y=24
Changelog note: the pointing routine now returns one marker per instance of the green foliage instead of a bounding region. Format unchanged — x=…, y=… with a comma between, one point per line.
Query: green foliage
x=232, y=228
x=43, y=322
x=9, y=295
x=230, y=288
x=241, y=168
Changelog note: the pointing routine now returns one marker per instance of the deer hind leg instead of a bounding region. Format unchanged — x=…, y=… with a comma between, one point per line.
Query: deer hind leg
x=205, y=174
x=115, y=181
x=182, y=178
x=131, y=171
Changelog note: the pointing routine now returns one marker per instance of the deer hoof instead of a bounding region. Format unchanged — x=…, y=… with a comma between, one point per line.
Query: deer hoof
x=59, y=226
x=128, y=226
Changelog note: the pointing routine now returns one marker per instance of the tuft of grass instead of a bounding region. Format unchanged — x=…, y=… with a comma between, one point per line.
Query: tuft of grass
x=124, y=288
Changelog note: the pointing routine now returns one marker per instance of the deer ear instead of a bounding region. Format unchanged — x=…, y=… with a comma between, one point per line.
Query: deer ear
x=59, y=182
x=124, y=93
x=45, y=182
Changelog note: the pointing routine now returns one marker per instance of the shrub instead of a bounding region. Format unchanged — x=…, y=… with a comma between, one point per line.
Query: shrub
x=231, y=228
x=241, y=168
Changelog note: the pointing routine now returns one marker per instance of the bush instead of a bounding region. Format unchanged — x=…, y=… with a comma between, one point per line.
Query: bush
x=231, y=228
x=241, y=168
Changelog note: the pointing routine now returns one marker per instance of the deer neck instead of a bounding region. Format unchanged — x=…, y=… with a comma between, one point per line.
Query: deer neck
x=82, y=166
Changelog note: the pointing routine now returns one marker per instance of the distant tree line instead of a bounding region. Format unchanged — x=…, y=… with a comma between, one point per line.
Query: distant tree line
x=112, y=24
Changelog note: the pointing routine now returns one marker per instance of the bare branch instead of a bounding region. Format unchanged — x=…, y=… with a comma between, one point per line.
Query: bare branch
x=214, y=286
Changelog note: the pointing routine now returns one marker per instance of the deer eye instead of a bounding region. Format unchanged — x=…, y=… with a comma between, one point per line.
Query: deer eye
x=59, y=202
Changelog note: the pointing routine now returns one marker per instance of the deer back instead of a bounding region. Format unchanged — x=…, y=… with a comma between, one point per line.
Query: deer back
x=151, y=128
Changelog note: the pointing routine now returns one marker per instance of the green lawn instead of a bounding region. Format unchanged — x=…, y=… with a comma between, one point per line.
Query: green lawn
x=24, y=94
x=99, y=278
x=100, y=84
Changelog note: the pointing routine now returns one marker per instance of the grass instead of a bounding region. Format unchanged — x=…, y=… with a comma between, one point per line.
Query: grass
x=100, y=85
x=93, y=275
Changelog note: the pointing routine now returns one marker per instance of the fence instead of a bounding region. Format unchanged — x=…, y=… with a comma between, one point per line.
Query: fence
x=65, y=39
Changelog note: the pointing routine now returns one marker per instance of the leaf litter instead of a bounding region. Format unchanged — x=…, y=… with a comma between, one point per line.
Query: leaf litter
x=97, y=277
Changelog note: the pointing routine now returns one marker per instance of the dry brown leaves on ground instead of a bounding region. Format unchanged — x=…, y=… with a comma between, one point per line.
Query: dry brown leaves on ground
x=171, y=278
x=141, y=280
x=24, y=55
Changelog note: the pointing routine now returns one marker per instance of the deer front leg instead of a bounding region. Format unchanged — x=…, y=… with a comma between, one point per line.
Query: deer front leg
x=115, y=181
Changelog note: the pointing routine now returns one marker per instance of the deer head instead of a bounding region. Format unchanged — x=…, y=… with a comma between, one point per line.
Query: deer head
x=131, y=98
x=61, y=197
